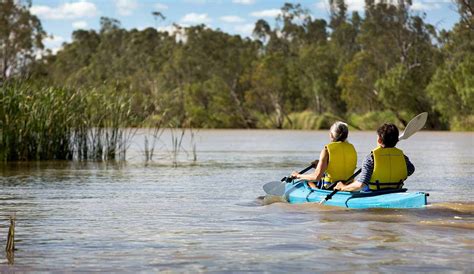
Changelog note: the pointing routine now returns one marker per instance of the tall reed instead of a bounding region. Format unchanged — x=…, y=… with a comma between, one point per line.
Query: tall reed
x=177, y=137
x=57, y=123
x=176, y=143
x=151, y=138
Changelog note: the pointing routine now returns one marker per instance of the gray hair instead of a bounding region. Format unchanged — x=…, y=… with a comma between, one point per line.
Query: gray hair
x=339, y=131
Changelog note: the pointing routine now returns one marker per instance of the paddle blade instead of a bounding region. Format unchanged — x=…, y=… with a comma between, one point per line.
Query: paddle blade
x=275, y=188
x=414, y=125
x=271, y=185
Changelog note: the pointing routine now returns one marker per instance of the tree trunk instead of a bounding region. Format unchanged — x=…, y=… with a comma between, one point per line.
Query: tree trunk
x=244, y=116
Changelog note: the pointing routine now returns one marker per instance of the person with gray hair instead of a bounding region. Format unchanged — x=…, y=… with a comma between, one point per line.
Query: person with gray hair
x=339, y=131
x=337, y=161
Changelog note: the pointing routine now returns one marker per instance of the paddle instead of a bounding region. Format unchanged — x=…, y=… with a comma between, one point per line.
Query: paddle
x=277, y=188
x=329, y=196
x=313, y=165
x=413, y=126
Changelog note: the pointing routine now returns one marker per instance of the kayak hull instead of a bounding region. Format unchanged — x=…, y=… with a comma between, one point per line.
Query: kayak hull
x=299, y=192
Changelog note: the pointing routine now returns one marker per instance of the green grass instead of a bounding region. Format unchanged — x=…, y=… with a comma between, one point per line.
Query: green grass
x=309, y=120
x=465, y=123
x=312, y=121
x=372, y=120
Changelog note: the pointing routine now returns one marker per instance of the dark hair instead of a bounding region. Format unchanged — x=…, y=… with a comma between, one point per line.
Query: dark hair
x=389, y=134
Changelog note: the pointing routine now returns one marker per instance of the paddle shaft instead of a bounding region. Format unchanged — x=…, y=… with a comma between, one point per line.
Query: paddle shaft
x=329, y=196
x=313, y=164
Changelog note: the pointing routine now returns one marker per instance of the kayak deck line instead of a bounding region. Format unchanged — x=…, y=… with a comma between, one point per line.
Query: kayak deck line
x=299, y=192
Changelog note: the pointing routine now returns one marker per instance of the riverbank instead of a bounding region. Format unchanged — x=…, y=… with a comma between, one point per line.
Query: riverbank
x=48, y=123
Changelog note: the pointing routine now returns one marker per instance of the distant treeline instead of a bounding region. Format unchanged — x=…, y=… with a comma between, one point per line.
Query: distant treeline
x=385, y=65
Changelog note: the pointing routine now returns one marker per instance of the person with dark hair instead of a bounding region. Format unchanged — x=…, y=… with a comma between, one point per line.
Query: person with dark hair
x=337, y=161
x=386, y=167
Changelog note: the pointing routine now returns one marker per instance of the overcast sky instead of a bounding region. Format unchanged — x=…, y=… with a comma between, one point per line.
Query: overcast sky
x=60, y=17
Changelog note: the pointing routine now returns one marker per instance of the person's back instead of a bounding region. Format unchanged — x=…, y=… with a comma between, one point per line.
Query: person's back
x=342, y=161
x=337, y=160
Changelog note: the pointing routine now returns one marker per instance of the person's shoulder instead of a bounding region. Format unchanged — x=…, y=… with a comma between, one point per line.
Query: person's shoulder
x=369, y=158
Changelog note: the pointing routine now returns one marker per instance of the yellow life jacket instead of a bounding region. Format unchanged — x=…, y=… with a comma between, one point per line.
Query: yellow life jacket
x=342, y=162
x=390, y=168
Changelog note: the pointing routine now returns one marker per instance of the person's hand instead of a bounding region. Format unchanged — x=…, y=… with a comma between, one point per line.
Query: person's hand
x=340, y=186
x=294, y=174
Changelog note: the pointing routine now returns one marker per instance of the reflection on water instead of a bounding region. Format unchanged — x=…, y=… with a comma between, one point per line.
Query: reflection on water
x=207, y=216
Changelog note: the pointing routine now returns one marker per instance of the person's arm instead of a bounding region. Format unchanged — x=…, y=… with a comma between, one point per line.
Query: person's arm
x=364, y=177
x=318, y=171
x=354, y=186
x=410, y=166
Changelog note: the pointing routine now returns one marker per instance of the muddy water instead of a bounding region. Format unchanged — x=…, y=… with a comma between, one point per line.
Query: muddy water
x=206, y=216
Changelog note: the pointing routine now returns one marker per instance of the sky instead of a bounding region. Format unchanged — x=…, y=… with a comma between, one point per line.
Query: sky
x=61, y=17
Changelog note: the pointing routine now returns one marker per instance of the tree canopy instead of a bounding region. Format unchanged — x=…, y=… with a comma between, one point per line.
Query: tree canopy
x=21, y=36
x=386, y=59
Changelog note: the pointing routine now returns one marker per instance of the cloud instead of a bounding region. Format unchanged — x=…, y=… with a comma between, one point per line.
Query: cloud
x=70, y=10
x=355, y=5
x=322, y=5
x=125, y=7
x=197, y=2
x=266, y=13
x=180, y=33
x=79, y=24
x=160, y=6
x=352, y=5
x=54, y=42
x=170, y=29
x=359, y=5
x=427, y=5
x=244, y=29
x=244, y=2
x=196, y=18
x=232, y=19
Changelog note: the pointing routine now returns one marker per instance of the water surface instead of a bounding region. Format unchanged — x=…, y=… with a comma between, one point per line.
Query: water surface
x=206, y=215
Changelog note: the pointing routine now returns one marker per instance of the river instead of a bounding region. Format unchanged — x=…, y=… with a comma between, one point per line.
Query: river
x=206, y=215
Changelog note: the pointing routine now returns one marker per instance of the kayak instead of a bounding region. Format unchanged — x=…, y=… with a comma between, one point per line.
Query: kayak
x=299, y=192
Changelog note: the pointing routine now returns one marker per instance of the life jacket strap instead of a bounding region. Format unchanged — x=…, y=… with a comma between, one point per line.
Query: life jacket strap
x=378, y=184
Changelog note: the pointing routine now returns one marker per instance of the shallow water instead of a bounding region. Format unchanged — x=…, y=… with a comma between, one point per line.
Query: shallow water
x=206, y=216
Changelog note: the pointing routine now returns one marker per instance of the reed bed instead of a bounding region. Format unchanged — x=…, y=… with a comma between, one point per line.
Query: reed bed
x=308, y=120
x=58, y=123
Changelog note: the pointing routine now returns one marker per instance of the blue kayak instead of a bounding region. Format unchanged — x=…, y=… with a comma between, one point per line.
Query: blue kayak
x=299, y=192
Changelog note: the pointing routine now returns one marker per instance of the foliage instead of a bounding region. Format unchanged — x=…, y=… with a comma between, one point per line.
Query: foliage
x=21, y=35
x=452, y=86
x=395, y=65
x=386, y=64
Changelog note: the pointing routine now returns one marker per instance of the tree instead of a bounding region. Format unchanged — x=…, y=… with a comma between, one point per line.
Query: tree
x=21, y=36
x=452, y=89
x=344, y=33
x=452, y=86
x=317, y=80
x=268, y=93
x=396, y=46
x=466, y=12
